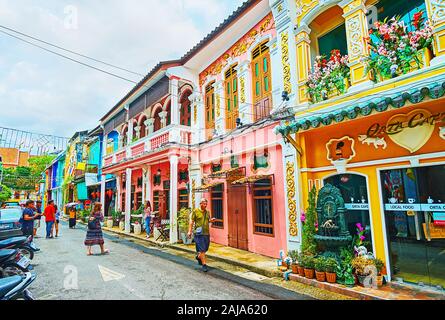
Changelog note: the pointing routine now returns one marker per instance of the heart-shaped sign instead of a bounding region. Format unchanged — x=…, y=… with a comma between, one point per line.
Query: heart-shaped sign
x=416, y=130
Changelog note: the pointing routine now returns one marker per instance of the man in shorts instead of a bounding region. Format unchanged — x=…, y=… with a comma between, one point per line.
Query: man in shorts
x=28, y=218
x=201, y=220
x=38, y=209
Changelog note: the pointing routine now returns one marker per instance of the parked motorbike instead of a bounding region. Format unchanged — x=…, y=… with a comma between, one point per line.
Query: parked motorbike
x=12, y=262
x=16, y=287
x=24, y=244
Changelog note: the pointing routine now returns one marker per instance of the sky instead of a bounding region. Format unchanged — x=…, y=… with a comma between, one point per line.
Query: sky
x=43, y=93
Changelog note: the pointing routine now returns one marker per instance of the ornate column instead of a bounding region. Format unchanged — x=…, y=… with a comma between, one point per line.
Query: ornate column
x=436, y=13
x=128, y=174
x=149, y=126
x=102, y=191
x=138, y=131
x=245, y=92
x=276, y=73
x=303, y=44
x=163, y=116
x=130, y=132
x=148, y=186
x=356, y=33
x=198, y=121
x=174, y=161
x=174, y=90
x=220, y=106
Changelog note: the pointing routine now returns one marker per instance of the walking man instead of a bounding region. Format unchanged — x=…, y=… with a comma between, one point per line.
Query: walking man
x=201, y=220
x=28, y=218
x=37, y=208
x=50, y=217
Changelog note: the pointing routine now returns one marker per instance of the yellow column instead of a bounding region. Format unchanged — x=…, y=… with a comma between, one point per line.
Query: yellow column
x=303, y=61
x=436, y=13
x=356, y=30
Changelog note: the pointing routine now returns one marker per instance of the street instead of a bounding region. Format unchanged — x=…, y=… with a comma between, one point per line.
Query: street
x=131, y=272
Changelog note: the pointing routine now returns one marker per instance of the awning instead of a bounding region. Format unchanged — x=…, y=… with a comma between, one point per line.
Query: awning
x=395, y=100
x=254, y=179
x=206, y=187
x=241, y=171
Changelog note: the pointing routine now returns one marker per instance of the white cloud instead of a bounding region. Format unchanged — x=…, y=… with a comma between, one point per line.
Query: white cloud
x=45, y=93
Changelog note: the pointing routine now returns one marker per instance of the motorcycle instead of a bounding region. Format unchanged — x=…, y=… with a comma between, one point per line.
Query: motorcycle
x=24, y=244
x=12, y=262
x=16, y=287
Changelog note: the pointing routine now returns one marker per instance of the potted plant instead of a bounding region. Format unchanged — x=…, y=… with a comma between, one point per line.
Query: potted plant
x=110, y=219
x=137, y=228
x=122, y=224
x=183, y=225
x=379, y=265
x=331, y=268
x=345, y=274
x=362, y=265
x=300, y=266
x=116, y=217
x=320, y=268
x=309, y=267
x=293, y=254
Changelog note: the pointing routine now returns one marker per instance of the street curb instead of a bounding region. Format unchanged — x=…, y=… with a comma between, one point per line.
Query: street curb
x=261, y=271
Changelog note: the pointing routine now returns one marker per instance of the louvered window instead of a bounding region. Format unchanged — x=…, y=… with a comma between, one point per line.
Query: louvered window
x=231, y=98
x=262, y=84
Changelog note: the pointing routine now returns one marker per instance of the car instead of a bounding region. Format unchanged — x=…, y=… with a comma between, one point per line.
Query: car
x=10, y=225
x=12, y=203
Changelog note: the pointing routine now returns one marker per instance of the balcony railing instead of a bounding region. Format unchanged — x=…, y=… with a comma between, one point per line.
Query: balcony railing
x=156, y=140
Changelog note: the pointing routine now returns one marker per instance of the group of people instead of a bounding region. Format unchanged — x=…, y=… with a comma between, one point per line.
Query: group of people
x=32, y=215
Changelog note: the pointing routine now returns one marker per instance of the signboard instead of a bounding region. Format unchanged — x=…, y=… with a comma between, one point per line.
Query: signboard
x=91, y=179
x=434, y=207
x=357, y=206
x=439, y=218
x=435, y=232
x=403, y=207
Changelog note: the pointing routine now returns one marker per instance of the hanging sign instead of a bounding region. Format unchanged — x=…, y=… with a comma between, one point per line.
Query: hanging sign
x=402, y=207
x=357, y=206
x=439, y=218
x=435, y=231
x=434, y=207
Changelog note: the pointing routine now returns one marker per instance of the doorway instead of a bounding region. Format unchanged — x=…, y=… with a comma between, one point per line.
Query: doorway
x=237, y=215
x=414, y=201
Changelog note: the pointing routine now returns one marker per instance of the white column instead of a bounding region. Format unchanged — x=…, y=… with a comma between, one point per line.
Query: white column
x=245, y=92
x=138, y=132
x=128, y=174
x=130, y=133
x=174, y=161
x=220, y=106
x=174, y=90
x=148, y=186
x=163, y=116
x=102, y=191
x=118, y=204
x=198, y=120
x=150, y=125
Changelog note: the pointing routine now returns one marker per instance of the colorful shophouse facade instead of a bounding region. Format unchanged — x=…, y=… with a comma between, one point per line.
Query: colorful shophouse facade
x=203, y=126
x=381, y=143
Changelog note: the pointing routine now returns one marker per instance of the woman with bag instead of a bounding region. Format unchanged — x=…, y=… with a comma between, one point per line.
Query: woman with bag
x=147, y=218
x=94, y=233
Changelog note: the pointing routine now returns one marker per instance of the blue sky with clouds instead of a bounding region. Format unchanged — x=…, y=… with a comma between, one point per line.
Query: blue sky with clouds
x=44, y=93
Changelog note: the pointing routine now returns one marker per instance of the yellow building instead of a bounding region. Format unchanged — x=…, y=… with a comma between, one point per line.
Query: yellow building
x=378, y=134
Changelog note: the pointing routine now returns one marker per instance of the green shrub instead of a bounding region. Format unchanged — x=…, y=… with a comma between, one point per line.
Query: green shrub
x=320, y=264
x=309, y=262
x=331, y=265
x=308, y=245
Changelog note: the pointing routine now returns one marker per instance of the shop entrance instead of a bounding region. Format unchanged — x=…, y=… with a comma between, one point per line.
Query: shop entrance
x=414, y=201
x=237, y=205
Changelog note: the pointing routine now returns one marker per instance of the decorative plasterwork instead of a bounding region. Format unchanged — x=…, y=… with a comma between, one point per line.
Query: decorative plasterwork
x=242, y=82
x=240, y=48
x=285, y=62
x=437, y=10
x=291, y=202
x=356, y=48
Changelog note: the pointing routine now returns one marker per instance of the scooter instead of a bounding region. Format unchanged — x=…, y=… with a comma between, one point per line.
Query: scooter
x=24, y=244
x=12, y=262
x=16, y=287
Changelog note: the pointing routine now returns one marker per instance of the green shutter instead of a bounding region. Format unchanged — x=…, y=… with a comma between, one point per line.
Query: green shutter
x=266, y=84
x=266, y=67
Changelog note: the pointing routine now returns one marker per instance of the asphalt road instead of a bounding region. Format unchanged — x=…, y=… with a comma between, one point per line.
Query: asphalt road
x=134, y=272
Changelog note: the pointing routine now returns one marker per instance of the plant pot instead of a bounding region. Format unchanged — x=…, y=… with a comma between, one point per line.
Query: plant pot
x=309, y=273
x=379, y=281
x=294, y=269
x=137, y=229
x=361, y=279
x=301, y=271
x=331, y=277
x=284, y=265
x=321, y=276
x=122, y=225
x=110, y=223
x=424, y=56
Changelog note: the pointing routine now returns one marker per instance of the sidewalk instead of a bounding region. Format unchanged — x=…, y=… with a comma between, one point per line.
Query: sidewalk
x=267, y=266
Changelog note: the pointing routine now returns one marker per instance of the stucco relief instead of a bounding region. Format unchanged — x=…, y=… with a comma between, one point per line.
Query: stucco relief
x=285, y=62
x=242, y=82
x=291, y=202
x=437, y=10
x=356, y=47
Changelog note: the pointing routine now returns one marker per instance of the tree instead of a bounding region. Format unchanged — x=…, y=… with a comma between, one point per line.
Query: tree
x=5, y=193
x=309, y=245
x=40, y=163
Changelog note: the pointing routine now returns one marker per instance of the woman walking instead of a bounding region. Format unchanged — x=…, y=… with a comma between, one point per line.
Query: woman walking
x=57, y=221
x=94, y=234
x=147, y=218
x=72, y=220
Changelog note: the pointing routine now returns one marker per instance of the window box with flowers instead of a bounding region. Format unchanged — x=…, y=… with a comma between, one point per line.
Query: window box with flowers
x=329, y=78
x=395, y=50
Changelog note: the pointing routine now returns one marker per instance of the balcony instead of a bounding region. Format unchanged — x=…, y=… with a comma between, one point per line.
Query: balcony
x=157, y=140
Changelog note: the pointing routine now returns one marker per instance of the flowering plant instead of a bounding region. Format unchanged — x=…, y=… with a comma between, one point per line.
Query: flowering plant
x=360, y=234
x=394, y=49
x=328, y=76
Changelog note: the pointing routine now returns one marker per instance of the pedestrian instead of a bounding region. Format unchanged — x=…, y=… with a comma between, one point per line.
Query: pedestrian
x=29, y=215
x=38, y=209
x=94, y=233
x=50, y=217
x=73, y=218
x=147, y=218
x=57, y=220
x=201, y=221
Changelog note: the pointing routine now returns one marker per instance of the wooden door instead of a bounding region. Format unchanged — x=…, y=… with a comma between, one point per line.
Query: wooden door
x=163, y=204
x=237, y=207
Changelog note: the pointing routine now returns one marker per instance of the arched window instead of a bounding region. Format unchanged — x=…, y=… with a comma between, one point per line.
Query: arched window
x=169, y=113
x=262, y=84
x=210, y=110
x=143, y=126
x=124, y=137
x=231, y=98
x=185, y=109
x=157, y=117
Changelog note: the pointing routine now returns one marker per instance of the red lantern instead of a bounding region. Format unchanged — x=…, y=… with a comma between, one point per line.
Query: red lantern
x=93, y=195
x=110, y=193
x=98, y=195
